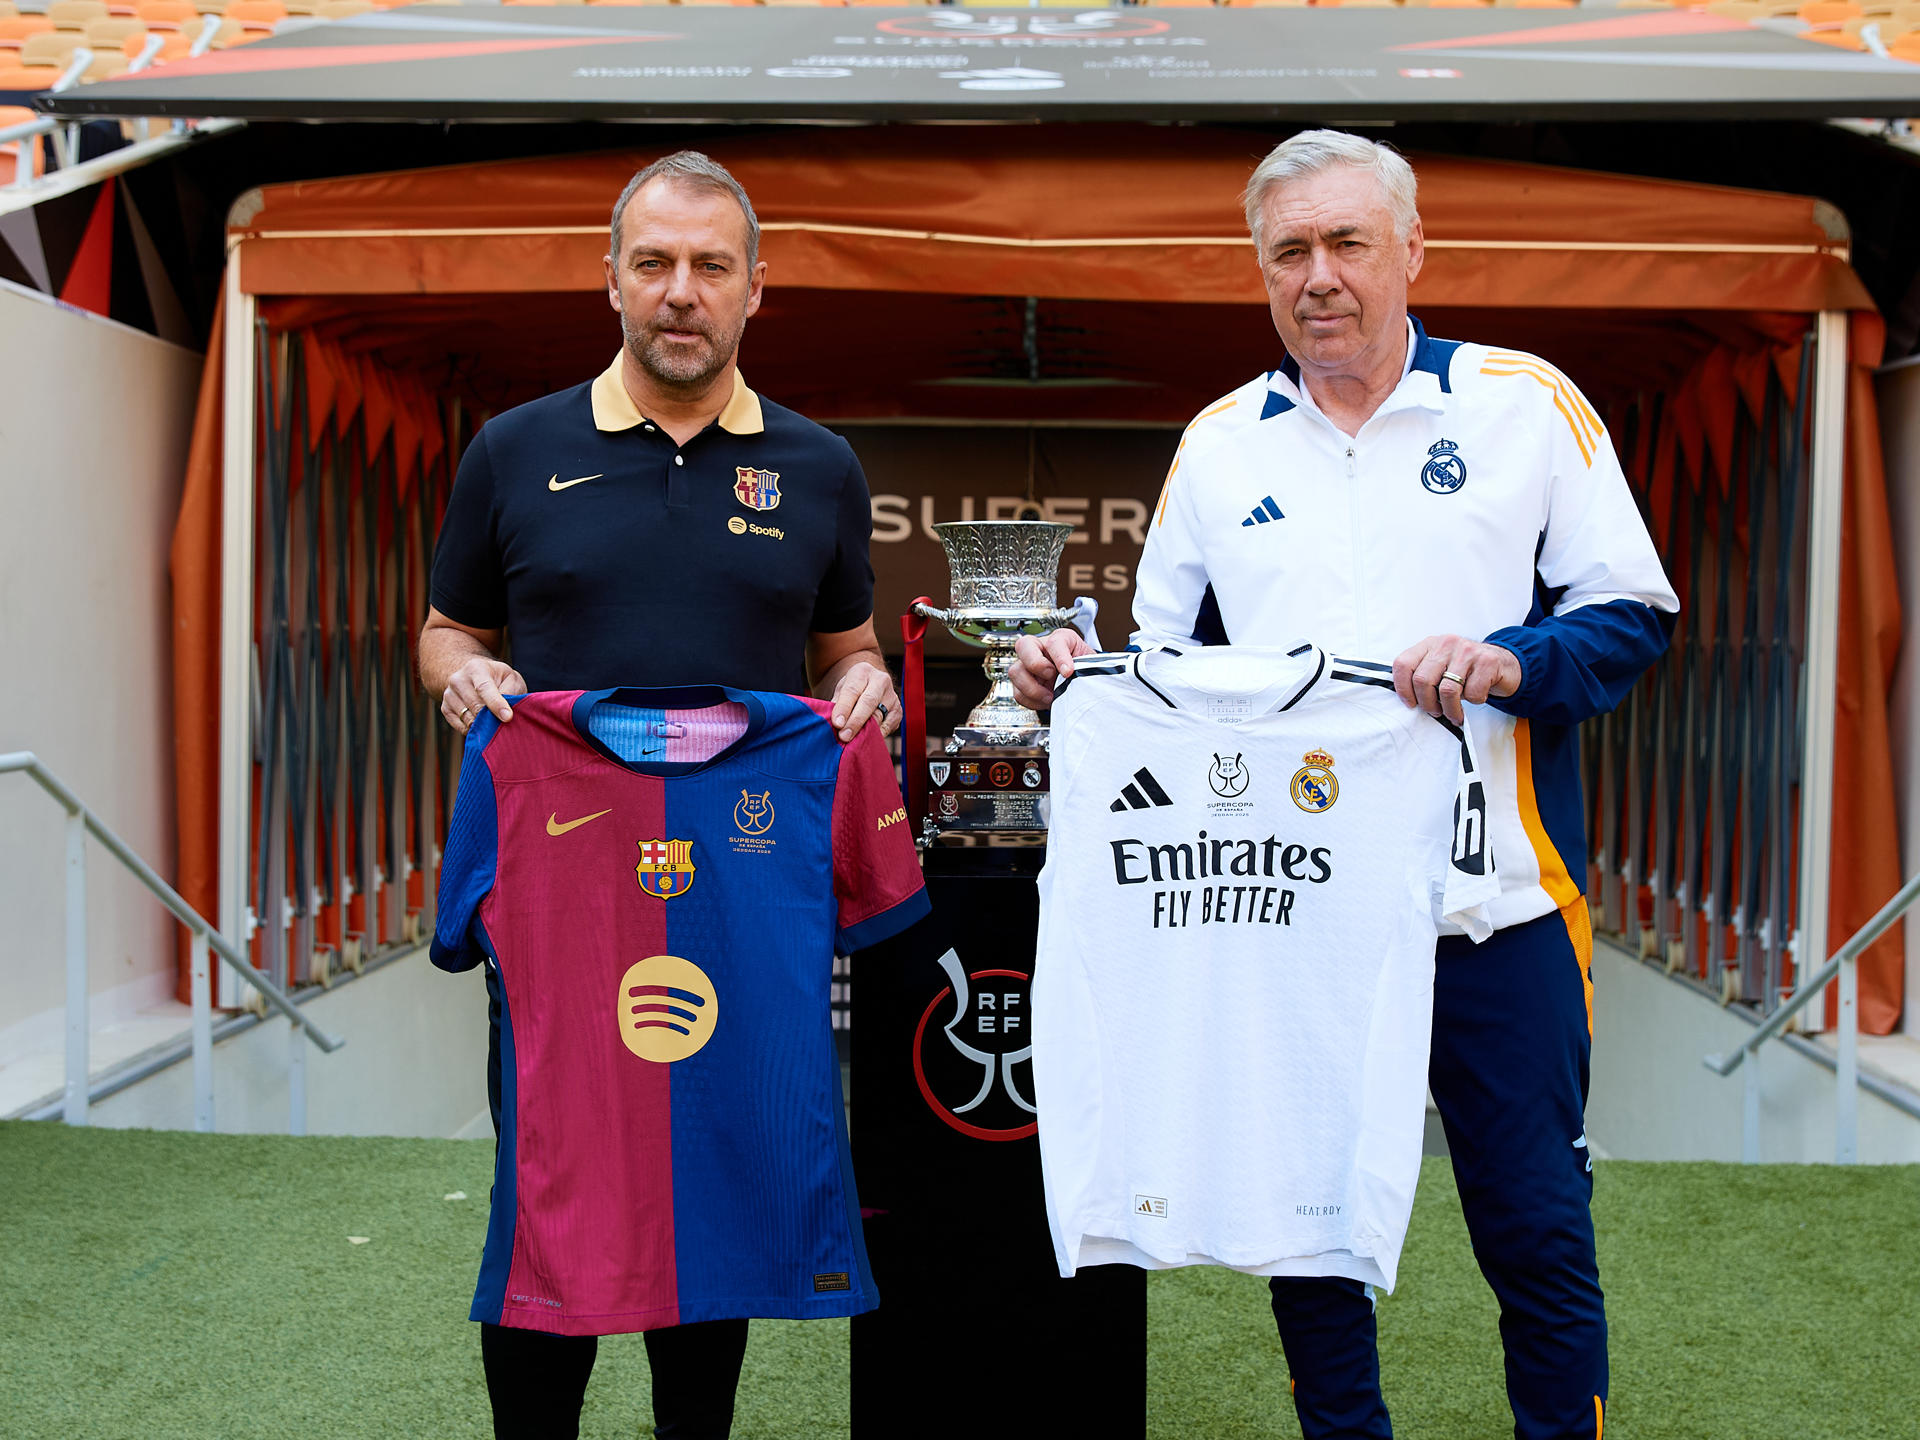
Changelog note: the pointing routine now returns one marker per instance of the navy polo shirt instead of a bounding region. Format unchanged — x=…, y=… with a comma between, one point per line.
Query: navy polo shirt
x=614, y=556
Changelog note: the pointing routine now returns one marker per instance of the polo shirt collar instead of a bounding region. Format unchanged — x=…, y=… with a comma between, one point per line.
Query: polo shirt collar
x=613, y=407
x=1424, y=378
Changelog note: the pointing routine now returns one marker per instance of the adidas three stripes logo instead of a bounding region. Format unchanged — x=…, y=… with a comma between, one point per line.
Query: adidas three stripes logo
x=1143, y=794
x=1264, y=512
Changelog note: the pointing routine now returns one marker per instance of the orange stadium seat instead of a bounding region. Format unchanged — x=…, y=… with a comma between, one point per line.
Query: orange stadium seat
x=1829, y=12
x=166, y=14
x=74, y=14
x=53, y=47
x=27, y=77
x=174, y=45
x=261, y=15
x=108, y=33
x=16, y=28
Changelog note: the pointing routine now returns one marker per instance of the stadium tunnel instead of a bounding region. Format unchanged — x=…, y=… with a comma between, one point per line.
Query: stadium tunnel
x=1031, y=313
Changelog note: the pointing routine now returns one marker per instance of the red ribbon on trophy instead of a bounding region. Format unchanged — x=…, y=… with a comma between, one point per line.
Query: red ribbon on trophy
x=913, y=719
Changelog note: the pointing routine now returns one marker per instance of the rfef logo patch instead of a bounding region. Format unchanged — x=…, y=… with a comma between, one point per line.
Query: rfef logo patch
x=757, y=489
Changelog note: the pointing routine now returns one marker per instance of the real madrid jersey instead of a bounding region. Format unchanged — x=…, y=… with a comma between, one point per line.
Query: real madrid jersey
x=662, y=878
x=1250, y=853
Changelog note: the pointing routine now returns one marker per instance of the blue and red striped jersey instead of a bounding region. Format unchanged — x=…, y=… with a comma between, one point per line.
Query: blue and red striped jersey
x=662, y=878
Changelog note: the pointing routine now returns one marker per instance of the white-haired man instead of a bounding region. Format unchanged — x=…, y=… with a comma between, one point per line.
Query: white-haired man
x=1459, y=511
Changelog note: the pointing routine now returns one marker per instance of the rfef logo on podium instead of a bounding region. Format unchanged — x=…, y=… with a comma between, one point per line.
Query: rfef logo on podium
x=975, y=1068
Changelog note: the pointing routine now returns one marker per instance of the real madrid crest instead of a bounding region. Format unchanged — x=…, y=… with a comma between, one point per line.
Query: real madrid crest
x=1444, y=472
x=1314, y=786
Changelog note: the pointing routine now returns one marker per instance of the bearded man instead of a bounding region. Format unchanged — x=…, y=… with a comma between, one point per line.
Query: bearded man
x=660, y=526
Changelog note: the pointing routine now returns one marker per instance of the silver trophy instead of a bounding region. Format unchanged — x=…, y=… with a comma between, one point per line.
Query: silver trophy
x=1002, y=581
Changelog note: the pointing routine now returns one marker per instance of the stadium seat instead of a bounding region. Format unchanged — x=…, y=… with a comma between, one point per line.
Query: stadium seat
x=106, y=63
x=340, y=9
x=261, y=15
x=8, y=8
x=166, y=14
x=210, y=7
x=27, y=77
x=1829, y=12
x=74, y=14
x=174, y=45
x=52, y=47
x=108, y=33
x=16, y=28
x=646, y=2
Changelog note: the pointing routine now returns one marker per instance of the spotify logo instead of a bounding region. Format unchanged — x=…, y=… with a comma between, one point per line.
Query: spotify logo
x=737, y=525
x=666, y=1008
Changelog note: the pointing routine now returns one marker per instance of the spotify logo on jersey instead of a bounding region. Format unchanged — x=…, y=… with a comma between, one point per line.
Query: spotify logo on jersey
x=666, y=1008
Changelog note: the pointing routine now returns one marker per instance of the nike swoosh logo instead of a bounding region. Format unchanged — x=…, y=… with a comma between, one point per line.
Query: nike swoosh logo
x=554, y=827
x=556, y=483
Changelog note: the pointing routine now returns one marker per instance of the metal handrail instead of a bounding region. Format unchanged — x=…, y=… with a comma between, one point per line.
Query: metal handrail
x=1847, y=1070
x=81, y=821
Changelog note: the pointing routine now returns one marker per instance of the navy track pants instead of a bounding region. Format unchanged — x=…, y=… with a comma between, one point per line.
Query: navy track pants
x=1512, y=1032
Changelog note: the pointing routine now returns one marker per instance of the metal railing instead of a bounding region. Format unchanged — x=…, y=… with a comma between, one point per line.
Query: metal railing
x=1843, y=965
x=81, y=821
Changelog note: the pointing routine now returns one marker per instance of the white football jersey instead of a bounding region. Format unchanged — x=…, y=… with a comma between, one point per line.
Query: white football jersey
x=1249, y=857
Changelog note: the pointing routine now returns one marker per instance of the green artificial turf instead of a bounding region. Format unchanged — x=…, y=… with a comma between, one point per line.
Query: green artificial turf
x=160, y=1285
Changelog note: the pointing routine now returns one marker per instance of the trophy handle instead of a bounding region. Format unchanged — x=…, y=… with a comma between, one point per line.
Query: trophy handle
x=930, y=612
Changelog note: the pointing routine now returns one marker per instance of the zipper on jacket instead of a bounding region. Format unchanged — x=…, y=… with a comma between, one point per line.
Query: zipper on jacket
x=1360, y=640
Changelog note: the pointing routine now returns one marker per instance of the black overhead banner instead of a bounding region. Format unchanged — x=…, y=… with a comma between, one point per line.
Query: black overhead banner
x=798, y=63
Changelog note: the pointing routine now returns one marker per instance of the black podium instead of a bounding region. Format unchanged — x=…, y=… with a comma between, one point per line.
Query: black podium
x=976, y=1332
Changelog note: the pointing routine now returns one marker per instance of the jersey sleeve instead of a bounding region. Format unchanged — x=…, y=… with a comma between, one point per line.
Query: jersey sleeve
x=876, y=872
x=469, y=584
x=845, y=597
x=471, y=858
x=1172, y=597
x=1471, y=881
x=1606, y=608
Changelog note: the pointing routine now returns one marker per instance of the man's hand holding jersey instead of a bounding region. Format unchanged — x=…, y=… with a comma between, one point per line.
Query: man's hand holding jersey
x=1038, y=661
x=1439, y=672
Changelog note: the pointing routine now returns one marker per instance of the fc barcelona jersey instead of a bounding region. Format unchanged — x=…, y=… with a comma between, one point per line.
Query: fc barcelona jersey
x=662, y=878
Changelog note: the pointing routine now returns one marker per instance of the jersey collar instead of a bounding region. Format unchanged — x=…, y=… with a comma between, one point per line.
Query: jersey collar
x=683, y=697
x=1425, y=381
x=1313, y=666
x=613, y=407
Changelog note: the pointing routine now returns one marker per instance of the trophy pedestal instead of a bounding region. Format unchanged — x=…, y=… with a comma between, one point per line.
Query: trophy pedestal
x=991, y=781
x=976, y=1332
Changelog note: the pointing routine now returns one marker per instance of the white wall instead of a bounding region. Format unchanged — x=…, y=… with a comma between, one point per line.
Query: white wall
x=1899, y=395
x=94, y=424
x=415, y=1063
x=1652, y=1099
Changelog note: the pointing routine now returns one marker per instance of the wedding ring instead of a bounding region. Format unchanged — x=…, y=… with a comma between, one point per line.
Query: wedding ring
x=1456, y=679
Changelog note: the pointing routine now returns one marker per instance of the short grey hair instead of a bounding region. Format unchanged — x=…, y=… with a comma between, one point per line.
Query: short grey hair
x=697, y=172
x=1313, y=151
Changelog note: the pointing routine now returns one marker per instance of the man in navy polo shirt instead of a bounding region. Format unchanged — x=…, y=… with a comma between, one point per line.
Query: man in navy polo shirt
x=662, y=525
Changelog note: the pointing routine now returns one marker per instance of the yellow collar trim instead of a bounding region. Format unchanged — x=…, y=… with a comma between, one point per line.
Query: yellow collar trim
x=613, y=407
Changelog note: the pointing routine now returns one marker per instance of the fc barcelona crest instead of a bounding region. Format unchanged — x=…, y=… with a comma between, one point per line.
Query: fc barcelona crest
x=757, y=489
x=666, y=867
